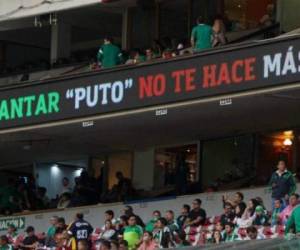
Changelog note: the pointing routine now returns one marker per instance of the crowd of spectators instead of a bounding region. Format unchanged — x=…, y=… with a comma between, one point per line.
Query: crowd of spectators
x=192, y=227
x=24, y=194
x=239, y=220
x=204, y=36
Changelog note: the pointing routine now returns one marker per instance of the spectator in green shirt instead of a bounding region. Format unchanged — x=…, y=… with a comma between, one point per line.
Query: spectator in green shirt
x=201, y=37
x=293, y=221
x=133, y=233
x=151, y=224
x=4, y=243
x=109, y=55
x=230, y=234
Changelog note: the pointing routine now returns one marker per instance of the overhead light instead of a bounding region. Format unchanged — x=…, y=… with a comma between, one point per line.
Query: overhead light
x=288, y=133
x=55, y=170
x=287, y=142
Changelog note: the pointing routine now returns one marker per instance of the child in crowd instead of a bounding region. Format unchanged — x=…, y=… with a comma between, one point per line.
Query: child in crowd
x=278, y=207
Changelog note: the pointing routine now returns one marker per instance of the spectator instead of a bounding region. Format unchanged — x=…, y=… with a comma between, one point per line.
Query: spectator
x=61, y=225
x=201, y=37
x=4, y=243
x=66, y=186
x=80, y=229
x=252, y=234
x=121, y=224
x=230, y=235
x=163, y=235
x=197, y=215
x=260, y=219
x=249, y=213
x=217, y=237
x=239, y=211
x=148, y=242
x=151, y=224
x=157, y=48
x=133, y=233
x=260, y=202
x=109, y=215
x=185, y=210
x=237, y=199
x=228, y=215
x=12, y=234
x=123, y=245
x=219, y=37
x=53, y=224
x=31, y=240
x=109, y=232
x=269, y=18
x=128, y=211
x=114, y=245
x=293, y=222
x=172, y=225
x=220, y=227
x=124, y=187
x=50, y=241
x=68, y=242
x=109, y=55
x=282, y=183
x=285, y=214
x=42, y=201
x=182, y=240
x=150, y=54
x=64, y=201
x=83, y=245
x=278, y=208
x=139, y=56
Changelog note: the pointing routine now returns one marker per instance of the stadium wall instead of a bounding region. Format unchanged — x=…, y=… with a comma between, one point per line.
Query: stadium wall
x=212, y=202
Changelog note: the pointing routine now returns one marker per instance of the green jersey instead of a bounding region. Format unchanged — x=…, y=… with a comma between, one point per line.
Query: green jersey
x=109, y=55
x=51, y=231
x=202, y=36
x=6, y=247
x=293, y=221
x=150, y=225
x=133, y=234
x=231, y=237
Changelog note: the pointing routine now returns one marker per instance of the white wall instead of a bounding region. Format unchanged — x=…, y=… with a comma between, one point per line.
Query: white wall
x=50, y=176
x=94, y=214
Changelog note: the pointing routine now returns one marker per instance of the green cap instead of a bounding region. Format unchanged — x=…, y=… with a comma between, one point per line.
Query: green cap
x=259, y=209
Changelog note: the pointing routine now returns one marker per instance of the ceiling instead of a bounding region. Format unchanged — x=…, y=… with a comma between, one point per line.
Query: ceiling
x=255, y=113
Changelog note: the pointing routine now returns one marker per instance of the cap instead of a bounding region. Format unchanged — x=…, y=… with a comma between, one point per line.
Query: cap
x=259, y=209
x=12, y=226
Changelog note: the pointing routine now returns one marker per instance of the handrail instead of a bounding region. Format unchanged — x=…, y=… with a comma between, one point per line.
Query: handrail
x=256, y=33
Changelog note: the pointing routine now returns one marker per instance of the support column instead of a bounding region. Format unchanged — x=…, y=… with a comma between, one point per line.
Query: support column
x=126, y=27
x=157, y=21
x=2, y=53
x=190, y=16
x=60, y=41
x=296, y=149
x=143, y=169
